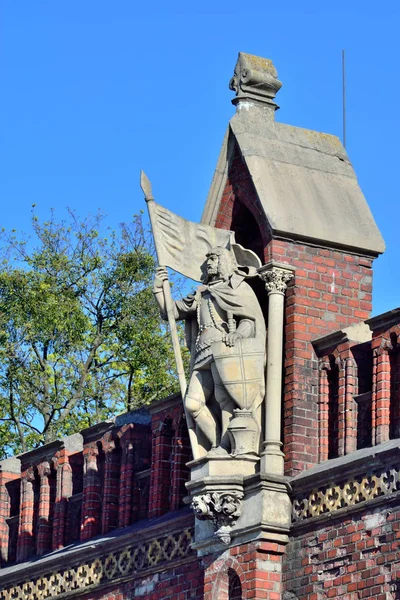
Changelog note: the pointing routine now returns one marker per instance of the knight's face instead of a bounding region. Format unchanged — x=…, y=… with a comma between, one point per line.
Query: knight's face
x=212, y=265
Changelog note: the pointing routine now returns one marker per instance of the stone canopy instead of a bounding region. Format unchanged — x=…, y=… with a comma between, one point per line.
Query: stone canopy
x=304, y=179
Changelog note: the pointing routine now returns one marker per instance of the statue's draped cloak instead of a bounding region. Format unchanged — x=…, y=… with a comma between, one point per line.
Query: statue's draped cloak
x=234, y=295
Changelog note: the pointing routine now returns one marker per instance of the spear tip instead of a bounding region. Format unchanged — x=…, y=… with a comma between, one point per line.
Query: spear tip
x=146, y=187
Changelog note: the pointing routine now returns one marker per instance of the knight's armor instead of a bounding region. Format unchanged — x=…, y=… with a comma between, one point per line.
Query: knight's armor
x=211, y=328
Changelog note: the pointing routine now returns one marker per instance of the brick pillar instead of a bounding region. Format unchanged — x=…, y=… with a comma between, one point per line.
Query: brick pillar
x=26, y=542
x=44, y=528
x=126, y=476
x=323, y=402
x=63, y=492
x=5, y=513
x=110, y=485
x=258, y=566
x=351, y=411
x=395, y=393
x=160, y=478
x=91, y=498
x=341, y=407
x=180, y=456
x=381, y=395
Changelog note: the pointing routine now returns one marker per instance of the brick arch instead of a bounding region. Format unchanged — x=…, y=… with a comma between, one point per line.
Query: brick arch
x=220, y=589
x=239, y=188
x=245, y=194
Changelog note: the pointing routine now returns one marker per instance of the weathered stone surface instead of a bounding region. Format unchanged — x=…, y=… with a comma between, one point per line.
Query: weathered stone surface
x=226, y=335
x=303, y=178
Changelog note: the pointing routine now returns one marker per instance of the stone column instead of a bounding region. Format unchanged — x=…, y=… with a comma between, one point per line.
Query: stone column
x=276, y=279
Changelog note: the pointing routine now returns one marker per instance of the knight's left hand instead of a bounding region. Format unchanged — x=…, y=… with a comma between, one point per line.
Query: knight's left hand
x=230, y=338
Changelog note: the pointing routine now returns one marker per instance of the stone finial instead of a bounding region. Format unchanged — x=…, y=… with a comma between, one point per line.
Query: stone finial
x=255, y=78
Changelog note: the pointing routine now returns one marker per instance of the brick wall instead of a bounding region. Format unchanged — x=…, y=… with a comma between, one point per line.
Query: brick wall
x=119, y=474
x=252, y=571
x=183, y=582
x=385, y=374
x=350, y=557
x=170, y=453
x=331, y=289
x=10, y=485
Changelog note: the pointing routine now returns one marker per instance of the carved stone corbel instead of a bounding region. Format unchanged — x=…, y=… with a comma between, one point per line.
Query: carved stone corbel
x=221, y=508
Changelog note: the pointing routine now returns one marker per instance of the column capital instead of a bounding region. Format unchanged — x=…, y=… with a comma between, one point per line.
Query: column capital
x=276, y=276
x=44, y=469
x=28, y=475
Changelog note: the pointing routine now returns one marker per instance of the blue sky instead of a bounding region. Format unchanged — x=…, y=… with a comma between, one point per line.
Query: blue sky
x=94, y=91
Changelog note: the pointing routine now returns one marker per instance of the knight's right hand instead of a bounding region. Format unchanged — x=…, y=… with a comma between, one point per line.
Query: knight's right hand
x=160, y=276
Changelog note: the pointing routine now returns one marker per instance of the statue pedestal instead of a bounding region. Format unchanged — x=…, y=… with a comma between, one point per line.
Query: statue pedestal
x=235, y=504
x=223, y=465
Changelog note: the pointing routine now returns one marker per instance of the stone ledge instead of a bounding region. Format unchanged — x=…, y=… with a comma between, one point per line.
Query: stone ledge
x=354, y=463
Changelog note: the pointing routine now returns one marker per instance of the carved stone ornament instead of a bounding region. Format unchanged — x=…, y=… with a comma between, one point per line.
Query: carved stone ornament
x=276, y=280
x=243, y=431
x=255, y=78
x=382, y=481
x=222, y=508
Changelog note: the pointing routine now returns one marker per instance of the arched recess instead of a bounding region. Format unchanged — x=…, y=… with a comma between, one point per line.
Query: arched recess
x=333, y=408
x=229, y=582
x=234, y=585
x=247, y=230
x=394, y=407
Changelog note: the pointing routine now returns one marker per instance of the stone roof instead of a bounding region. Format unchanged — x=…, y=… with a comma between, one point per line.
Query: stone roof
x=304, y=179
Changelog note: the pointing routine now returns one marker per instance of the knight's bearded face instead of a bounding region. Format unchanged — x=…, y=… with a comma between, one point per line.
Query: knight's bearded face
x=213, y=265
x=219, y=264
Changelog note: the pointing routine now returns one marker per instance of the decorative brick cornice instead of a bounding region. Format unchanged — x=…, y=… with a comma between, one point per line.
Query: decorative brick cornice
x=347, y=482
x=102, y=569
x=351, y=492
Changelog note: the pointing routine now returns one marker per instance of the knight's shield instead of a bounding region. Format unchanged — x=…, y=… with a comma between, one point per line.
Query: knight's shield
x=241, y=369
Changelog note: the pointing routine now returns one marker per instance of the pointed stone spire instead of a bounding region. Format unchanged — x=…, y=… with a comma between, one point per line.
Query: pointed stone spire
x=255, y=80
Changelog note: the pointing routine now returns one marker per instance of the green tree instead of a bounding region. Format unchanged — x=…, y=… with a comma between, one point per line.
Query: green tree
x=81, y=338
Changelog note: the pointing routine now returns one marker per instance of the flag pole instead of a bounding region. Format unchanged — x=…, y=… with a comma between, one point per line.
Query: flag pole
x=169, y=305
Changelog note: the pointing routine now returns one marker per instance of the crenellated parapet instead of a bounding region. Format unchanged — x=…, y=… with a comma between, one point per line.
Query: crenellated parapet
x=108, y=477
x=359, y=393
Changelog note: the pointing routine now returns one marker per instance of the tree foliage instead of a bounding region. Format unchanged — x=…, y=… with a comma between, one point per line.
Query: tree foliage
x=80, y=334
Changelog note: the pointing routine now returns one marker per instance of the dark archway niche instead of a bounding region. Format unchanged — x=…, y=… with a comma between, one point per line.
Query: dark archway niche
x=247, y=230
